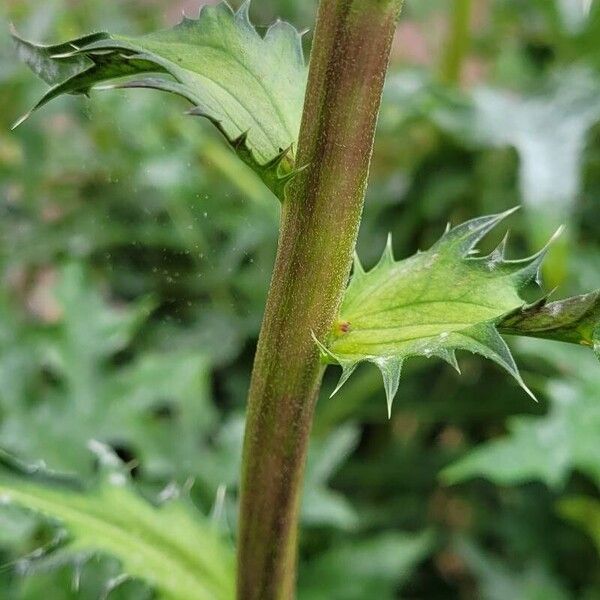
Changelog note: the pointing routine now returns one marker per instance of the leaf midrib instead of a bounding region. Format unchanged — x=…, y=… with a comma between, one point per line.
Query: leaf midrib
x=88, y=520
x=423, y=302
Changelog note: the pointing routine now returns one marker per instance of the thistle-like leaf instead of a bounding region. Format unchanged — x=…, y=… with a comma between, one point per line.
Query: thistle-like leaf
x=431, y=304
x=545, y=448
x=171, y=547
x=251, y=87
x=575, y=320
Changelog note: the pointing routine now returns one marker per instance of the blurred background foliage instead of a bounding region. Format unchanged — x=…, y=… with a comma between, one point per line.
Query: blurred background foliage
x=135, y=254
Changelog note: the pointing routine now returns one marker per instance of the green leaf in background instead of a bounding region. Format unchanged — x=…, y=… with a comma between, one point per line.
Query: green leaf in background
x=583, y=512
x=548, y=129
x=251, y=87
x=574, y=14
x=546, y=448
x=575, y=320
x=432, y=304
x=499, y=581
x=172, y=547
x=155, y=406
x=320, y=504
x=372, y=568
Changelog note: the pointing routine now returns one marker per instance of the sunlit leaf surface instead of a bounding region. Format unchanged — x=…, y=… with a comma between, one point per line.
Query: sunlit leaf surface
x=431, y=304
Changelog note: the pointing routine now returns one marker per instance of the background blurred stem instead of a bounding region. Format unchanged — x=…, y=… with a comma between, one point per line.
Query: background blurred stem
x=319, y=224
x=457, y=45
x=228, y=164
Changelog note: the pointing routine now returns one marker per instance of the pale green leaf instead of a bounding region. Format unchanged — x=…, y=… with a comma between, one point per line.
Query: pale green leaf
x=431, y=304
x=574, y=14
x=250, y=86
x=171, y=547
x=548, y=130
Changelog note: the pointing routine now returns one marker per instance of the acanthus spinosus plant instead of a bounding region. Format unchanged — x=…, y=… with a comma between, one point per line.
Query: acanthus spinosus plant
x=307, y=132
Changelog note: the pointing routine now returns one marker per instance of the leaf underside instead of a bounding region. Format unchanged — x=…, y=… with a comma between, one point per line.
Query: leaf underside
x=431, y=304
x=251, y=87
x=171, y=547
x=575, y=320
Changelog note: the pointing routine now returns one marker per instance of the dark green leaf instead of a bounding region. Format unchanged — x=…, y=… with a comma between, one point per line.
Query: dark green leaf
x=371, y=568
x=584, y=512
x=546, y=448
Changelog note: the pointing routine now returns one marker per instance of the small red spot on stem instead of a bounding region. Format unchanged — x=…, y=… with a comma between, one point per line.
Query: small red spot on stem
x=344, y=327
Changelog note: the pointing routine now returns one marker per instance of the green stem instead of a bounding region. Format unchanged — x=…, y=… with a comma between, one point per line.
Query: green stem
x=457, y=45
x=319, y=224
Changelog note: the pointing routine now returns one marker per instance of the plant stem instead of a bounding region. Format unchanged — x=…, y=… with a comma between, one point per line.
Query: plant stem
x=457, y=44
x=319, y=224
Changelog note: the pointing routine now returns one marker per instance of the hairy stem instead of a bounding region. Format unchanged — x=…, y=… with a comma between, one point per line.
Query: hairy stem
x=319, y=224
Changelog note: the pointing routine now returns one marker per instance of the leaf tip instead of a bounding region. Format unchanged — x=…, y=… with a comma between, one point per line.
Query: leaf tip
x=510, y=211
x=499, y=252
x=389, y=250
x=465, y=236
x=357, y=269
x=391, y=369
x=450, y=357
x=387, y=257
x=324, y=351
x=242, y=15
x=347, y=370
x=525, y=387
x=12, y=30
x=20, y=120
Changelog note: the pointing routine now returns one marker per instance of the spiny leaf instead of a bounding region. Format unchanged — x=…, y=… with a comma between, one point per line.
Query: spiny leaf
x=250, y=87
x=431, y=304
x=171, y=547
x=575, y=320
